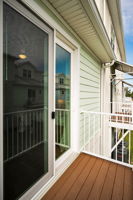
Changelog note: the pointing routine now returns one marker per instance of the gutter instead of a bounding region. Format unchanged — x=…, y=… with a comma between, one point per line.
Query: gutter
x=94, y=15
x=118, y=25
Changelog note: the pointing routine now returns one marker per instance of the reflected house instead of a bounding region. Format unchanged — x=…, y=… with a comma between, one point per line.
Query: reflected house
x=24, y=83
x=62, y=90
x=24, y=99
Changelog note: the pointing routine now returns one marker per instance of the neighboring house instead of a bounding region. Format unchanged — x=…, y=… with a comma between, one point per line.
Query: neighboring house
x=61, y=62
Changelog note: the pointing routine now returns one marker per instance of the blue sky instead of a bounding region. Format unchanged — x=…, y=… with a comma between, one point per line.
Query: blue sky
x=127, y=16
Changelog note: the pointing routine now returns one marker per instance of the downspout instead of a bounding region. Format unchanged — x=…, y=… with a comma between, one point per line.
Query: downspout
x=107, y=65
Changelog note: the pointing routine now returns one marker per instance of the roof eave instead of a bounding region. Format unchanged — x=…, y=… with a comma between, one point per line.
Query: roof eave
x=118, y=25
x=94, y=15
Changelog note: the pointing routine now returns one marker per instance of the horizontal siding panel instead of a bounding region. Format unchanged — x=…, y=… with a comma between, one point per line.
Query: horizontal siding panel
x=91, y=107
x=90, y=65
x=90, y=83
x=85, y=55
x=89, y=70
x=89, y=101
x=88, y=76
x=90, y=91
x=87, y=95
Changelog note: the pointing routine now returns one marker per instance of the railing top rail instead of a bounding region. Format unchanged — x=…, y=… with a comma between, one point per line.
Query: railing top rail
x=23, y=111
x=57, y=109
x=123, y=102
x=32, y=110
x=104, y=113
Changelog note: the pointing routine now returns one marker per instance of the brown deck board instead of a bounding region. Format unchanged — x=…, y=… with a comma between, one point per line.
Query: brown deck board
x=92, y=178
x=68, y=184
x=109, y=182
x=88, y=184
x=80, y=180
x=128, y=185
x=97, y=188
x=56, y=187
x=118, y=184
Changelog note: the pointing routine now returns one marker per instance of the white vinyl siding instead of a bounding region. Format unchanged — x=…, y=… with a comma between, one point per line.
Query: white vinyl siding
x=90, y=89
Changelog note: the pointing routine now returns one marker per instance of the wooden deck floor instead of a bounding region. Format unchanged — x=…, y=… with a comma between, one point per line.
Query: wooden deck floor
x=91, y=178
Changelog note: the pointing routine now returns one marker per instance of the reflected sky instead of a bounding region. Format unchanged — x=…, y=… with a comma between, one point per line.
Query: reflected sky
x=62, y=61
x=24, y=38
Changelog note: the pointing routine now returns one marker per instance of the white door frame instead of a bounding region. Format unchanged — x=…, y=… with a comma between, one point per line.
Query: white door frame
x=74, y=100
x=51, y=124
x=68, y=49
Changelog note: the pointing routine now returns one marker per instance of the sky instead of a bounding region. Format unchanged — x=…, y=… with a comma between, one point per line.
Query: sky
x=127, y=16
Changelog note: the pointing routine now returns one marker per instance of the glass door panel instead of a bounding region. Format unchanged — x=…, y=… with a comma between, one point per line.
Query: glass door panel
x=25, y=103
x=63, y=83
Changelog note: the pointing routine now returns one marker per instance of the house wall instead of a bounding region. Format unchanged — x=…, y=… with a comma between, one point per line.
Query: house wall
x=103, y=8
x=90, y=87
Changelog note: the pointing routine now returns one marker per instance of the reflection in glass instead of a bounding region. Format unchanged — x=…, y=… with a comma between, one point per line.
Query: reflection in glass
x=25, y=103
x=63, y=82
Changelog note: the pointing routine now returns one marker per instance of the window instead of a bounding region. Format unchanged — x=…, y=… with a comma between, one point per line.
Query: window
x=29, y=74
x=61, y=81
x=112, y=38
x=26, y=74
x=62, y=119
x=31, y=93
x=63, y=92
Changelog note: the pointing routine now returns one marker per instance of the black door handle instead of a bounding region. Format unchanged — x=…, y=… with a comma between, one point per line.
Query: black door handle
x=53, y=115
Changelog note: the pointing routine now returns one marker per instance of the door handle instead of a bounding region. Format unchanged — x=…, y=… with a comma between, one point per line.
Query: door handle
x=53, y=115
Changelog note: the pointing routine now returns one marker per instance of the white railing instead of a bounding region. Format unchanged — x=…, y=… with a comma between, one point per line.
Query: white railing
x=62, y=128
x=108, y=135
x=23, y=130
x=122, y=107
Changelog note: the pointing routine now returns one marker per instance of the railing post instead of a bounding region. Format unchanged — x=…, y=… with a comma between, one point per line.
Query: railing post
x=132, y=113
x=84, y=131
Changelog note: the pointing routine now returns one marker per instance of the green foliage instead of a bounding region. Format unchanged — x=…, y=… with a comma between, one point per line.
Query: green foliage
x=129, y=93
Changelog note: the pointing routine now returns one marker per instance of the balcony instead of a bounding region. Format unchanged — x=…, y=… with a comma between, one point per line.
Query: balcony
x=108, y=135
x=90, y=178
x=101, y=171
x=122, y=107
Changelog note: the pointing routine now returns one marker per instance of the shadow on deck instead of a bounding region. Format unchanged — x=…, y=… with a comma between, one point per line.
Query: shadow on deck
x=91, y=178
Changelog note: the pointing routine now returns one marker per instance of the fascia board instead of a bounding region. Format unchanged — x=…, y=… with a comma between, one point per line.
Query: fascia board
x=93, y=14
x=115, y=11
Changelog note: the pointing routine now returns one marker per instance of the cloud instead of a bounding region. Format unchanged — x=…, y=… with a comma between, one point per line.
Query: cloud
x=127, y=14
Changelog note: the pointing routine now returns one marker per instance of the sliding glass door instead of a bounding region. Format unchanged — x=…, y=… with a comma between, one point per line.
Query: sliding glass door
x=26, y=103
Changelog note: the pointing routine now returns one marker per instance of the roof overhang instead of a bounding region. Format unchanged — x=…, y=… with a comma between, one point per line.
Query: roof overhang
x=126, y=83
x=115, y=11
x=124, y=67
x=85, y=23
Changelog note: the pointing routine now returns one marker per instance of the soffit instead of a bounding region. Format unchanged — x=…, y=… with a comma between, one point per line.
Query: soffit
x=76, y=16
